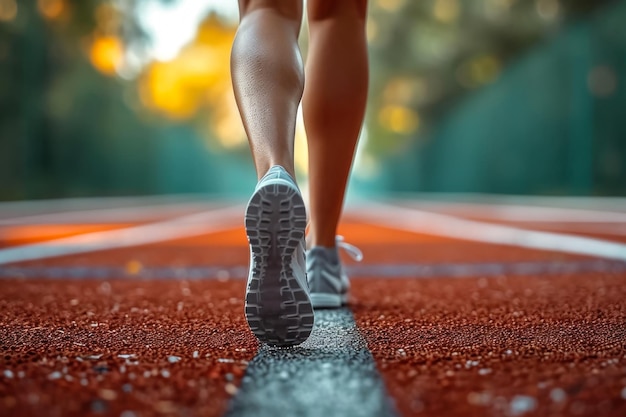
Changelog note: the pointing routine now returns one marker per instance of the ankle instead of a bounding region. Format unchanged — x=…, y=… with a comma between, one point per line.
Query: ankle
x=328, y=241
x=264, y=168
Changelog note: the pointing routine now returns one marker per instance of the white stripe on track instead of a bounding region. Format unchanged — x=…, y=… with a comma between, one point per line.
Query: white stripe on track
x=141, y=213
x=614, y=204
x=449, y=226
x=107, y=215
x=521, y=213
x=610, y=229
x=177, y=228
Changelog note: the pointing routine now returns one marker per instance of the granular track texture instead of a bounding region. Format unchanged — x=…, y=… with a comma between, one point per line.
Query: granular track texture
x=137, y=345
x=150, y=348
x=278, y=309
x=505, y=346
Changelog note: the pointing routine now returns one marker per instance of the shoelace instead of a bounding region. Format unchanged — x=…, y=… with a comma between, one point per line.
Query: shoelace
x=354, y=252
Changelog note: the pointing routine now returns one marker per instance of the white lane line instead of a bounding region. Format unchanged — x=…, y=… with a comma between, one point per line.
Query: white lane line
x=448, y=226
x=558, y=220
x=107, y=215
x=177, y=228
x=388, y=271
x=616, y=204
x=610, y=229
x=62, y=204
x=522, y=213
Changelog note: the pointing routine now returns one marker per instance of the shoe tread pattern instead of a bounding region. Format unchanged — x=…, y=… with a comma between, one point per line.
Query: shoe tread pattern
x=278, y=310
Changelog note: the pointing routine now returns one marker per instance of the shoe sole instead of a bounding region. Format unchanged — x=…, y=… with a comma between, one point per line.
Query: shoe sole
x=278, y=309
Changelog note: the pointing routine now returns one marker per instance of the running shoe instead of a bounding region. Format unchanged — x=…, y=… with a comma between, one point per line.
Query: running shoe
x=278, y=306
x=328, y=281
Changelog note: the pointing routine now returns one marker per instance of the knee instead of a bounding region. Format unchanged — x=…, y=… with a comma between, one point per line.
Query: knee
x=287, y=9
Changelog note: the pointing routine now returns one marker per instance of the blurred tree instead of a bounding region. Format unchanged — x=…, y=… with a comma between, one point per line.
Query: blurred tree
x=549, y=124
x=196, y=85
x=84, y=112
x=427, y=55
x=69, y=123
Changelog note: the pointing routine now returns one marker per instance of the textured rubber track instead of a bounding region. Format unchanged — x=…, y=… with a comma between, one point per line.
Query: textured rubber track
x=278, y=309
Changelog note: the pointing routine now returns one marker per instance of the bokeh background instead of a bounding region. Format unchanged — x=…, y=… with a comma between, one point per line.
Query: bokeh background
x=133, y=97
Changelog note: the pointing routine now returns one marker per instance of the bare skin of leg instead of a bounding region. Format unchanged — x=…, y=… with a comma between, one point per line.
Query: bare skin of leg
x=268, y=78
x=334, y=101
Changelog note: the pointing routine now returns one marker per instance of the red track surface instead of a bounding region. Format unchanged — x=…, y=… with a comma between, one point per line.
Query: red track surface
x=469, y=347
x=66, y=343
x=507, y=345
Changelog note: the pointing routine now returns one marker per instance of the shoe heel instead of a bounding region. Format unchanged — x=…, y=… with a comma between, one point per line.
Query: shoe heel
x=278, y=309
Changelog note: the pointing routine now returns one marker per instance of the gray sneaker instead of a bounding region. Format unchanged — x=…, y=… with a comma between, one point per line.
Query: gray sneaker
x=328, y=281
x=278, y=307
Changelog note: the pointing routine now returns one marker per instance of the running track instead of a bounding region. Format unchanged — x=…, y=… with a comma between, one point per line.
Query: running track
x=462, y=306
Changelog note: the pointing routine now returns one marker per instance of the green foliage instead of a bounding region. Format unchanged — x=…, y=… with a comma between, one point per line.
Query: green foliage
x=68, y=130
x=551, y=124
x=451, y=49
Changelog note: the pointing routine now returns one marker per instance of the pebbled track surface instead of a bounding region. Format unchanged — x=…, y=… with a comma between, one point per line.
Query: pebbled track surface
x=542, y=344
x=105, y=347
x=499, y=346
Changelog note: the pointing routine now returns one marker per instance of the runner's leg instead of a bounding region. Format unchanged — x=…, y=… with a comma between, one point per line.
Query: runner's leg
x=334, y=105
x=268, y=78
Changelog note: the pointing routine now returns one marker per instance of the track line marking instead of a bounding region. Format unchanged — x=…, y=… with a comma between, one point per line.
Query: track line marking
x=397, y=270
x=423, y=222
x=613, y=230
x=617, y=204
x=177, y=228
x=525, y=213
x=98, y=202
x=106, y=215
x=332, y=374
